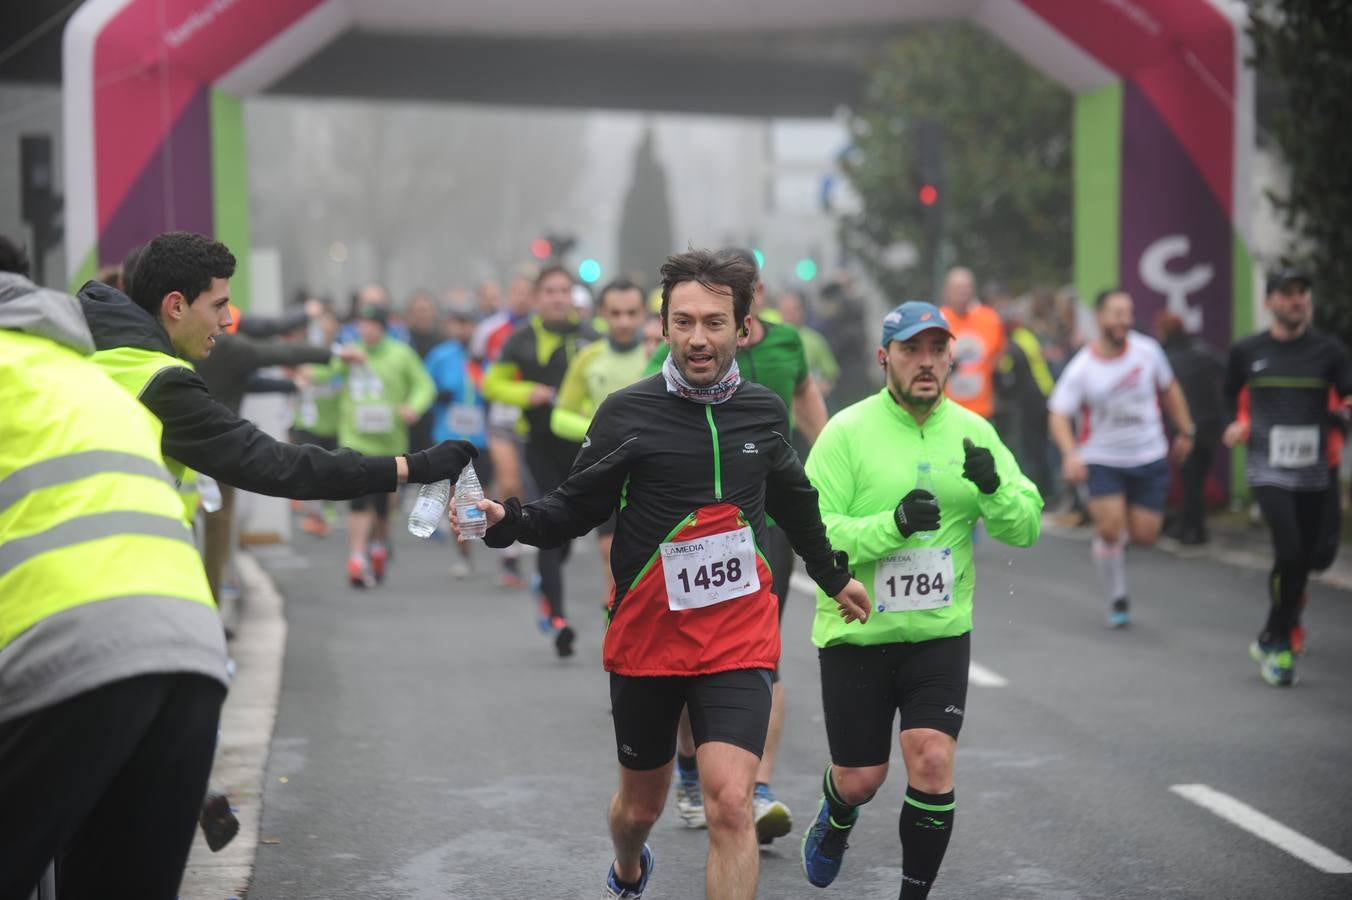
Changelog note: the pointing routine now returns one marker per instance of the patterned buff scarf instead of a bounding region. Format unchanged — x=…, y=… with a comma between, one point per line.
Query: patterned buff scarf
x=714, y=393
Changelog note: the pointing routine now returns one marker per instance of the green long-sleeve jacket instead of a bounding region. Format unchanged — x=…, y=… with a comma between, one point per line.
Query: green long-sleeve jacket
x=368, y=408
x=865, y=460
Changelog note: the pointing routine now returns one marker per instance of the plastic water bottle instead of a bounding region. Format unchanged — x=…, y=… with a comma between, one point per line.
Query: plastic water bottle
x=924, y=481
x=430, y=508
x=473, y=524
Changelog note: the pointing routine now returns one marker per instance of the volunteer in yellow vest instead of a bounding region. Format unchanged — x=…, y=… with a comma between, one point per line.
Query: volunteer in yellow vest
x=180, y=292
x=382, y=397
x=112, y=661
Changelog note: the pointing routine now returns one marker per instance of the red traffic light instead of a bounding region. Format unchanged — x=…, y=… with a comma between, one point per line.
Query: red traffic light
x=541, y=248
x=929, y=195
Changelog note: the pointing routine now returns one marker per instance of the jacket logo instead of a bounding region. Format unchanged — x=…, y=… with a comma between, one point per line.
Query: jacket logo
x=1259, y=365
x=749, y=448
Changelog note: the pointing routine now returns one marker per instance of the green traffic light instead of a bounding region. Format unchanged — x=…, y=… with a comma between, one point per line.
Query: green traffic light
x=806, y=270
x=589, y=270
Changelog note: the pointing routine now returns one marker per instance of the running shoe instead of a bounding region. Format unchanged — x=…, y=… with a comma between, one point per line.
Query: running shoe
x=645, y=866
x=772, y=816
x=314, y=524
x=359, y=573
x=380, y=558
x=563, y=638
x=544, y=618
x=460, y=568
x=690, y=802
x=1275, y=663
x=1118, y=615
x=824, y=846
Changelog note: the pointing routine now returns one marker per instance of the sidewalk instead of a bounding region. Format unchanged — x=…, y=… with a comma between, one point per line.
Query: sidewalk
x=246, y=732
x=1233, y=542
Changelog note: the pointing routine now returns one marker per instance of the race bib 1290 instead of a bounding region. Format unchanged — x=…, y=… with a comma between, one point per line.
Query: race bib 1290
x=911, y=580
x=707, y=570
x=1293, y=446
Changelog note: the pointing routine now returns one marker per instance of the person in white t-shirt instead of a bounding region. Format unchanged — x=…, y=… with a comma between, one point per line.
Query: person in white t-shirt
x=1116, y=385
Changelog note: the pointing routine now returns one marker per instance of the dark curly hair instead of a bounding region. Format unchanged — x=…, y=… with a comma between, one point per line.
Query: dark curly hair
x=177, y=261
x=721, y=271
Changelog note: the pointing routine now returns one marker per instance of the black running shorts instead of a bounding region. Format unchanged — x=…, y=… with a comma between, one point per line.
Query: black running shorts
x=380, y=503
x=729, y=707
x=863, y=688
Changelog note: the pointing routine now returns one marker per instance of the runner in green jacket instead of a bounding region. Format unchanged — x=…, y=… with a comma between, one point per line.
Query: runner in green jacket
x=948, y=469
x=382, y=397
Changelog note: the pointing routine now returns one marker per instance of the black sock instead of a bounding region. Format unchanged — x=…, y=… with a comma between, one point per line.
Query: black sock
x=842, y=814
x=925, y=826
x=686, y=766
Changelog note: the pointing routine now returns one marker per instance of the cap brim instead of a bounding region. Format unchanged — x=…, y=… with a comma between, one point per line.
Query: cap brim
x=907, y=333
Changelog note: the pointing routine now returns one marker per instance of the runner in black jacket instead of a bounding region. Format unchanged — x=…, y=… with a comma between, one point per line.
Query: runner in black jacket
x=691, y=461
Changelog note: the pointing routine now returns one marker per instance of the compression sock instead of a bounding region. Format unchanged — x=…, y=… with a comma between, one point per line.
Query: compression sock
x=925, y=825
x=1111, y=562
x=686, y=767
x=1286, y=586
x=842, y=813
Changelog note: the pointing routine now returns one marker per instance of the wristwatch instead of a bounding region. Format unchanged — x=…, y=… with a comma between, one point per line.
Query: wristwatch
x=1189, y=432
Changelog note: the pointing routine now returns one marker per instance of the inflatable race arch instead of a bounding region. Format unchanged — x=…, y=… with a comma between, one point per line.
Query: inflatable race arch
x=1163, y=130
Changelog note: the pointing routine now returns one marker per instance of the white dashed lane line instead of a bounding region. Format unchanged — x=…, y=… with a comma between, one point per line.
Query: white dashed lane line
x=1237, y=812
x=977, y=674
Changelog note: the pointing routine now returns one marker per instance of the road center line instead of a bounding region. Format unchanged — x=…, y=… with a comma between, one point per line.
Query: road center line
x=977, y=674
x=1251, y=820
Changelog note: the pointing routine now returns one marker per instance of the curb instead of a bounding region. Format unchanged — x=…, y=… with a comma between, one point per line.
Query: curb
x=247, y=721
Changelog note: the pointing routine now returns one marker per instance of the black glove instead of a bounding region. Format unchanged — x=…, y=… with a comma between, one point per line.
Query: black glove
x=917, y=512
x=978, y=467
x=440, y=462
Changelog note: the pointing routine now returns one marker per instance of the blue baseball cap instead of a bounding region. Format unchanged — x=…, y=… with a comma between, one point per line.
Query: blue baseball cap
x=911, y=318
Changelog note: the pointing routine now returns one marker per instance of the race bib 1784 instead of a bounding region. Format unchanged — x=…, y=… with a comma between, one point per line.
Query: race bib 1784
x=911, y=580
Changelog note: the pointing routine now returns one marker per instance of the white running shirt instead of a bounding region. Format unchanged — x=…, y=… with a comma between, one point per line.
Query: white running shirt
x=1118, y=401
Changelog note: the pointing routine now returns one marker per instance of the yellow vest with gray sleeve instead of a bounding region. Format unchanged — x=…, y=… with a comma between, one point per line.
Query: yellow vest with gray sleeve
x=134, y=368
x=87, y=511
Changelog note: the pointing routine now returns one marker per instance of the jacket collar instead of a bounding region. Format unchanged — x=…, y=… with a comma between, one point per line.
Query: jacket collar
x=115, y=321
x=40, y=311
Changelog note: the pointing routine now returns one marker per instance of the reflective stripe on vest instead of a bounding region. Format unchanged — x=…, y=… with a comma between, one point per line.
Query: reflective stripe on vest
x=87, y=510
x=134, y=368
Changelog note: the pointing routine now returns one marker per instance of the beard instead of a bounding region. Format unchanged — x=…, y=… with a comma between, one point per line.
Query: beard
x=904, y=395
x=722, y=358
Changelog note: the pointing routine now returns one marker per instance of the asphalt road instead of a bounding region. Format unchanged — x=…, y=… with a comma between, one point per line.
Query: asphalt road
x=429, y=745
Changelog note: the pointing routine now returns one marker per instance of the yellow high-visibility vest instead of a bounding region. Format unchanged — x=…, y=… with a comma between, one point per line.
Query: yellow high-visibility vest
x=88, y=511
x=133, y=368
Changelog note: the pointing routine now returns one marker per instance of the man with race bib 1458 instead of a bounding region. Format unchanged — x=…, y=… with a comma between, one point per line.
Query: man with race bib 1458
x=903, y=476
x=1117, y=384
x=690, y=461
x=1288, y=371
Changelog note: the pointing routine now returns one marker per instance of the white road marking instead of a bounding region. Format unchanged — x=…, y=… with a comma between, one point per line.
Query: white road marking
x=1251, y=820
x=981, y=676
x=977, y=674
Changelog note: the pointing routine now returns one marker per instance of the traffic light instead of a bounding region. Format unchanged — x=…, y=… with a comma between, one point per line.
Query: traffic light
x=927, y=174
x=806, y=270
x=541, y=248
x=589, y=270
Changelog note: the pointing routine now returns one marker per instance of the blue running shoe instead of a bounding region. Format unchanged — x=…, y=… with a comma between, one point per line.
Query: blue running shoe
x=824, y=847
x=645, y=866
x=1120, y=615
x=1275, y=663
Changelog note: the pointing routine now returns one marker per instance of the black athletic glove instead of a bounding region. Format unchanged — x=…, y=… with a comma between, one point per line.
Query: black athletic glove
x=979, y=467
x=917, y=512
x=440, y=462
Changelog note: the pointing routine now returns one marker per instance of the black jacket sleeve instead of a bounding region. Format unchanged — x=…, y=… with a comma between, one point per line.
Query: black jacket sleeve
x=587, y=496
x=275, y=353
x=256, y=326
x=791, y=501
x=207, y=437
x=1236, y=376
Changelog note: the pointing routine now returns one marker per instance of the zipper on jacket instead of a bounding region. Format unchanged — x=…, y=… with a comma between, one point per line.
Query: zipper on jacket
x=718, y=458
